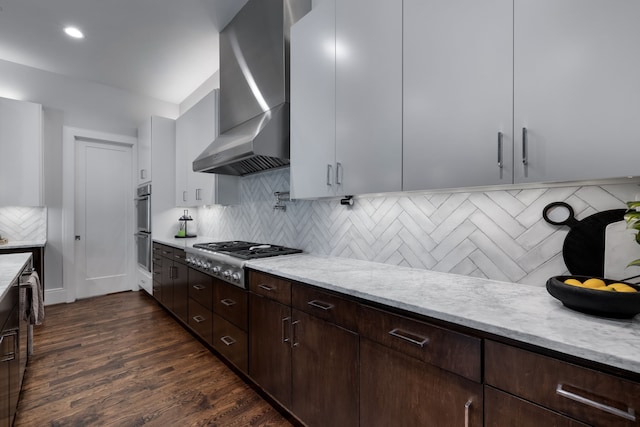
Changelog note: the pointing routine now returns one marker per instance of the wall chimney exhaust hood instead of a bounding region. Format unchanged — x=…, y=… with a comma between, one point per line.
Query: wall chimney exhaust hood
x=254, y=90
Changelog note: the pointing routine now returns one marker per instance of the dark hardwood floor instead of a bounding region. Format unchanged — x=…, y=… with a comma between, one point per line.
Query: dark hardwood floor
x=121, y=360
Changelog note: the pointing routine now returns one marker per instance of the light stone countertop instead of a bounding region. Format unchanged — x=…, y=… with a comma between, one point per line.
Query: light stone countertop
x=182, y=243
x=19, y=244
x=11, y=266
x=523, y=313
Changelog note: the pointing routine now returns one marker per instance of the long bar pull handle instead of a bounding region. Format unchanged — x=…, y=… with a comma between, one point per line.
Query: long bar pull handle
x=467, y=406
x=329, y=174
x=339, y=173
x=266, y=287
x=227, y=340
x=408, y=336
x=321, y=305
x=198, y=319
x=198, y=287
x=525, y=148
x=184, y=196
x=294, y=343
x=500, y=163
x=285, y=339
x=630, y=414
x=228, y=302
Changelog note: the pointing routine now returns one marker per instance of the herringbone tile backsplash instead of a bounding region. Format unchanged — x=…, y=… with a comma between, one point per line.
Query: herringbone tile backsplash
x=495, y=234
x=23, y=223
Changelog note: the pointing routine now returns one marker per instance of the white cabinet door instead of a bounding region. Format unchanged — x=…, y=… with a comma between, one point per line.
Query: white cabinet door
x=457, y=93
x=144, y=152
x=20, y=153
x=195, y=130
x=368, y=96
x=577, y=91
x=313, y=61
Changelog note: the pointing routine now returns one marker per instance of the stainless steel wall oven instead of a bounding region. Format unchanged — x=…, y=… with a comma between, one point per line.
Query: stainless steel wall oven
x=143, y=226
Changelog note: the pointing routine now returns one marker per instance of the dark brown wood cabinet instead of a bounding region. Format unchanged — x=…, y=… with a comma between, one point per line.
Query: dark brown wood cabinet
x=230, y=324
x=586, y=395
x=309, y=364
x=270, y=346
x=416, y=374
x=502, y=409
x=173, y=280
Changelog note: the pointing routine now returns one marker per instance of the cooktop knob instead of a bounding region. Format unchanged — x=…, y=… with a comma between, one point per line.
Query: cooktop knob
x=216, y=270
x=227, y=274
x=236, y=277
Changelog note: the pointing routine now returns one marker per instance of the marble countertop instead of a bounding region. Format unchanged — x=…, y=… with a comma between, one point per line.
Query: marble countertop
x=183, y=242
x=17, y=244
x=10, y=267
x=523, y=313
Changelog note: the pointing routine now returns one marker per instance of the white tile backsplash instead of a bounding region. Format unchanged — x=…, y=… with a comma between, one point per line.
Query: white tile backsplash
x=23, y=223
x=498, y=234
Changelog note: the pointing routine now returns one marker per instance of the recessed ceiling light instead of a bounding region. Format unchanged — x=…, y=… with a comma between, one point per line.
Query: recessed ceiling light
x=74, y=32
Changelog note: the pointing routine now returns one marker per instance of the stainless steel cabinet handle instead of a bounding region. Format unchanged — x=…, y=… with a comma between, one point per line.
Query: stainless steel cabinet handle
x=12, y=355
x=285, y=339
x=321, y=305
x=198, y=319
x=339, y=173
x=408, y=336
x=228, y=302
x=294, y=343
x=227, y=340
x=198, y=191
x=266, y=288
x=329, y=174
x=142, y=174
x=184, y=196
x=525, y=148
x=198, y=287
x=500, y=164
x=630, y=414
x=466, y=412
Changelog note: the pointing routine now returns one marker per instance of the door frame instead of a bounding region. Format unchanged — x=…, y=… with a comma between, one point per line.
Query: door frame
x=71, y=136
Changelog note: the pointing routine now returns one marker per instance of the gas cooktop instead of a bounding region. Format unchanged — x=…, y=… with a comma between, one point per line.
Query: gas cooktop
x=246, y=250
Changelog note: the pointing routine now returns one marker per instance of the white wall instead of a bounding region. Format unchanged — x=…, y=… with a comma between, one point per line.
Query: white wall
x=85, y=104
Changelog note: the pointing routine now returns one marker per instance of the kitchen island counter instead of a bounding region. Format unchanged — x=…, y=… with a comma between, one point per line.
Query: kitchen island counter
x=24, y=244
x=524, y=313
x=10, y=267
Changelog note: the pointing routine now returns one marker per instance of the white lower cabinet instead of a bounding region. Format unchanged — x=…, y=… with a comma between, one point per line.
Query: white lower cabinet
x=195, y=130
x=21, y=163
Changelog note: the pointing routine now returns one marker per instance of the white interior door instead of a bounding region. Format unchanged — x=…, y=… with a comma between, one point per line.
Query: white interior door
x=103, y=218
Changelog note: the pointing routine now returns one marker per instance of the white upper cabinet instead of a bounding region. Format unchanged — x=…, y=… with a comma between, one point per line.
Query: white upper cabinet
x=577, y=89
x=195, y=130
x=144, y=152
x=346, y=99
x=369, y=96
x=457, y=93
x=313, y=120
x=20, y=153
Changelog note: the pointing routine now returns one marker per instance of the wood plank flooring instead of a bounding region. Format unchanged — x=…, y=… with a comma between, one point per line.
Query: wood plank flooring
x=121, y=360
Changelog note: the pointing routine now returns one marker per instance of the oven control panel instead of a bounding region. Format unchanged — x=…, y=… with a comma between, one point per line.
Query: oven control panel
x=221, y=270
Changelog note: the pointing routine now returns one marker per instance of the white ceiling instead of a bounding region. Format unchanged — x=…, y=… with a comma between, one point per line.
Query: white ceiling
x=164, y=49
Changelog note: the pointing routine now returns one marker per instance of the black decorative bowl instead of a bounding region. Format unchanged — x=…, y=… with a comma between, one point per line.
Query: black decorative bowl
x=619, y=305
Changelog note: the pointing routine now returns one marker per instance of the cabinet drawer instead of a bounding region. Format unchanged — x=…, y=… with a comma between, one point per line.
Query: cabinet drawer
x=446, y=349
x=325, y=306
x=231, y=303
x=201, y=288
x=201, y=320
x=590, y=396
x=180, y=256
x=157, y=270
x=231, y=342
x=271, y=287
x=157, y=247
x=502, y=409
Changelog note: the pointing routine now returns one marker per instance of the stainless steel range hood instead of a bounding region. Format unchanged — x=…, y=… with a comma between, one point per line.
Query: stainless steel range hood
x=254, y=90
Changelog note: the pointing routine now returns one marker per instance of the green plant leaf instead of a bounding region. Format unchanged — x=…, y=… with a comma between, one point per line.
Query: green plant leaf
x=634, y=263
x=638, y=238
x=632, y=217
x=633, y=205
